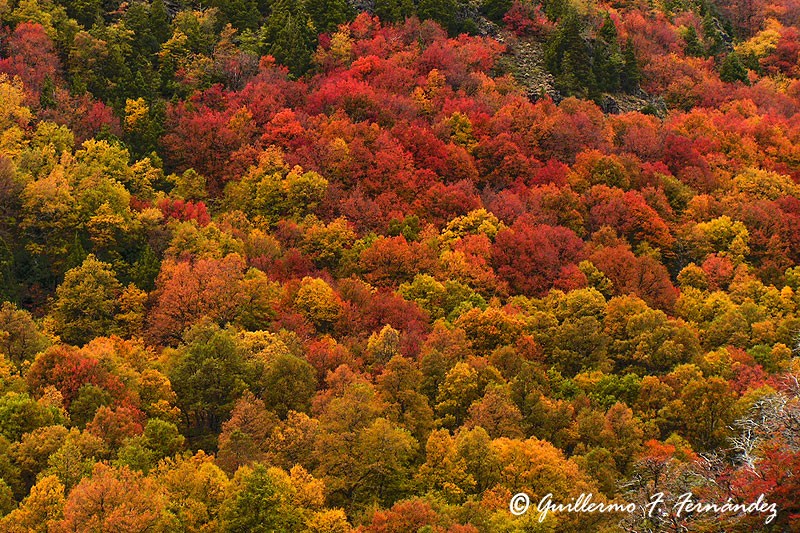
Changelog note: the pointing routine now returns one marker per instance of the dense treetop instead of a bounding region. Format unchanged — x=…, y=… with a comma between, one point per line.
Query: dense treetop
x=322, y=266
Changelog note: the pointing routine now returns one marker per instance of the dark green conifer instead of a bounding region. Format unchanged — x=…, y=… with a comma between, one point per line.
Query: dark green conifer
x=495, y=9
x=732, y=69
x=289, y=36
x=631, y=73
x=693, y=46
x=327, y=15
x=569, y=58
x=608, y=61
x=440, y=11
x=394, y=10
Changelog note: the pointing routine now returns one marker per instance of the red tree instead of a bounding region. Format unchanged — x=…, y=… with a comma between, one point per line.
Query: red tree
x=531, y=257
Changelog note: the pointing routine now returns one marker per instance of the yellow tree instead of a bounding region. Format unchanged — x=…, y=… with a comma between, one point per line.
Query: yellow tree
x=86, y=303
x=39, y=511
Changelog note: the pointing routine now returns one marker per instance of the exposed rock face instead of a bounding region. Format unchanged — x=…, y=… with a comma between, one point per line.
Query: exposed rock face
x=614, y=104
x=172, y=7
x=609, y=105
x=527, y=65
x=362, y=5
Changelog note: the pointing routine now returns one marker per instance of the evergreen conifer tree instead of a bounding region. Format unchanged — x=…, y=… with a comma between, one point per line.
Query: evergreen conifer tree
x=569, y=58
x=631, y=73
x=693, y=46
x=394, y=10
x=732, y=69
x=289, y=36
x=327, y=15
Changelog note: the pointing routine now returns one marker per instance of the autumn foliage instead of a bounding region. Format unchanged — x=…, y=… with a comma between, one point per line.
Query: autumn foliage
x=286, y=266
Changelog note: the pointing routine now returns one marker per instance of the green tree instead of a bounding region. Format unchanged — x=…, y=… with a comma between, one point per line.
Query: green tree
x=138, y=18
x=399, y=386
x=207, y=374
x=440, y=11
x=460, y=389
x=341, y=422
x=394, y=10
x=159, y=21
x=86, y=303
x=88, y=400
x=259, y=504
x=327, y=244
x=7, y=502
x=34, y=448
x=75, y=458
x=692, y=45
x=609, y=63
x=441, y=300
x=631, y=73
x=706, y=411
x=385, y=454
x=568, y=57
x=160, y=439
x=19, y=414
x=190, y=185
x=475, y=449
x=241, y=14
x=495, y=9
x=328, y=14
x=287, y=384
x=20, y=337
x=289, y=36
x=271, y=191
x=732, y=69
x=100, y=62
x=195, y=489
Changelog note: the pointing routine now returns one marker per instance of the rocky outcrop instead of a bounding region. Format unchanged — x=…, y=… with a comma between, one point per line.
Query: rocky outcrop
x=526, y=58
x=614, y=104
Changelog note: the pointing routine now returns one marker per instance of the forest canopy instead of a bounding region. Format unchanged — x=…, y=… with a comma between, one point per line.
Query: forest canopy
x=327, y=266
